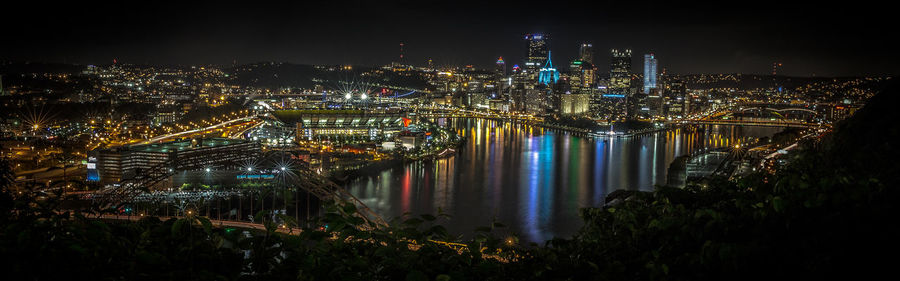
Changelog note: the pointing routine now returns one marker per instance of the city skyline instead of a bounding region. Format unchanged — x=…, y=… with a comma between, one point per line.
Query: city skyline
x=448, y=140
x=693, y=38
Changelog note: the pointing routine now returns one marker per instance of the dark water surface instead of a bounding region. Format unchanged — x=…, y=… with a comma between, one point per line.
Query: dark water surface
x=534, y=180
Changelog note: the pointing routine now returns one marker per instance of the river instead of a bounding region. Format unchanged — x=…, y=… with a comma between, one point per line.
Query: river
x=533, y=180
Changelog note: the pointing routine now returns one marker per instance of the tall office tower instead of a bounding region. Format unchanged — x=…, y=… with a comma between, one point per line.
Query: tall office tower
x=775, y=85
x=537, y=50
x=522, y=95
x=581, y=75
x=620, y=72
x=676, y=98
x=574, y=76
x=587, y=53
x=501, y=67
x=650, y=64
x=574, y=104
x=548, y=73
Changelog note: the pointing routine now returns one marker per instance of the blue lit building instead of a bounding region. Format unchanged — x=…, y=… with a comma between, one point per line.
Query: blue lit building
x=649, y=73
x=548, y=73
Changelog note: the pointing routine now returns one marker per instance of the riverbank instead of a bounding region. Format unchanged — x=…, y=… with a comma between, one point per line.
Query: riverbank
x=345, y=176
x=609, y=130
x=396, y=160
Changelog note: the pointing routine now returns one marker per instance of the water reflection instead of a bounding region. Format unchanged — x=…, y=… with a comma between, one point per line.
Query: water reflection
x=531, y=179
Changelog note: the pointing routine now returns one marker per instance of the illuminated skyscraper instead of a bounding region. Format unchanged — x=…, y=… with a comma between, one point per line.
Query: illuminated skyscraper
x=548, y=73
x=501, y=67
x=537, y=51
x=587, y=53
x=676, y=98
x=581, y=76
x=620, y=72
x=649, y=73
x=574, y=104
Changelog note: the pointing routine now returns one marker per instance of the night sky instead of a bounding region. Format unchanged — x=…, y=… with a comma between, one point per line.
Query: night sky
x=809, y=38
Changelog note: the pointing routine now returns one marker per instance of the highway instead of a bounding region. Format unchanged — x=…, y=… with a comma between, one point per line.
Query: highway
x=46, y=174
x=200, y=130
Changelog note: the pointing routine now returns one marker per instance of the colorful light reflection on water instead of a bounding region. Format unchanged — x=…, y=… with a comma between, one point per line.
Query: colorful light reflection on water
x=531, y=179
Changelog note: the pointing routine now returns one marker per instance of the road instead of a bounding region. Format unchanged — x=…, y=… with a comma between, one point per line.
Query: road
x=197, y=131
x=52, y=173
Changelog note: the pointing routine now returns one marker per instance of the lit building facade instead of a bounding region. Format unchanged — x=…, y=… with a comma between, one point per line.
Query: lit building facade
x=581, y=77
x=619, y=86
x=537, y=51
x=620, y=72
x=118, y=164
x=586, y=53
x=341, y=124
x=574, y=104
x=652, y=101
x=548, y=74
x=650, y=77
x=676, y=101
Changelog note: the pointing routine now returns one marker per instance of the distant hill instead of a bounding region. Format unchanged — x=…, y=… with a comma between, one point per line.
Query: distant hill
x=752, y=81
x=8, y=68
x=280, y=75
x=273, y=75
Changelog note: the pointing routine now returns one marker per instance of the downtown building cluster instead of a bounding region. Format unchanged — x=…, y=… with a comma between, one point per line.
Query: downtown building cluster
x=542, y=86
